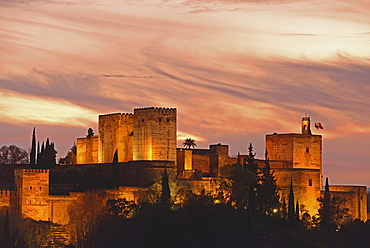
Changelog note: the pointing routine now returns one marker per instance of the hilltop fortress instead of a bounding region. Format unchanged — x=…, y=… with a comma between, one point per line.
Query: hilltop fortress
x=146, y=145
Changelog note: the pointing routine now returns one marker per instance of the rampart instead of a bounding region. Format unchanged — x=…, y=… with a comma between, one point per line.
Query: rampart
x=355, y=199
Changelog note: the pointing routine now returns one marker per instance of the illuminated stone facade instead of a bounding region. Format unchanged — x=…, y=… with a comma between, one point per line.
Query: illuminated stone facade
x=147, y=134
x=146, y=144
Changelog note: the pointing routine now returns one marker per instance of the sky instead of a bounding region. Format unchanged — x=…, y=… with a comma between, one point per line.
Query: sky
x=234, y=69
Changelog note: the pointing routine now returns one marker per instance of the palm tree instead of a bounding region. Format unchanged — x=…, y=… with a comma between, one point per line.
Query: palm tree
x=189, y=142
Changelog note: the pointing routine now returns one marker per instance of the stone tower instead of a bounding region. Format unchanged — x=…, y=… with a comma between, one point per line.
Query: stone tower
x=115, y=132
x=32, y=187
x=298, y=157
x=155, y=134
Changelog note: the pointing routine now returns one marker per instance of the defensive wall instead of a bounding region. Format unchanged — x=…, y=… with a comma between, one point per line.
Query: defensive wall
x=355, y=199
x=147, y=134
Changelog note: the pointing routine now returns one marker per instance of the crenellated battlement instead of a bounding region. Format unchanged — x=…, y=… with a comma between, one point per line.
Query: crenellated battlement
x=31, y=171
x=6, y=192
x=156, y=110
x=116, y=117
x=35, y=171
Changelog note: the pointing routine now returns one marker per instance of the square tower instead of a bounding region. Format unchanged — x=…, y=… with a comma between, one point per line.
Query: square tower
x=32, y=187
x=115, y=133
x=155, y=134
x=297, y=157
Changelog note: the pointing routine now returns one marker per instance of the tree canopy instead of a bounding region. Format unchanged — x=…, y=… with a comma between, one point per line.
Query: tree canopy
x=189, y=143
x=13, y=155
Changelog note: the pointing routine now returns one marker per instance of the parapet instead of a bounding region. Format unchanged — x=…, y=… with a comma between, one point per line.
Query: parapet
x=6, y=192
x=31, y=171
x=156, y=110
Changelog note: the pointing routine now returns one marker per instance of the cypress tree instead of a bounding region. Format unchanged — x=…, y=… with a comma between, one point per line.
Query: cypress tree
x=38, y=152
x=297, y=210
x=33, y=149
x=291, y=211
x=251, y=165
x=166, y=193
x=114, y=174
x=325, y=217
x=267, y=193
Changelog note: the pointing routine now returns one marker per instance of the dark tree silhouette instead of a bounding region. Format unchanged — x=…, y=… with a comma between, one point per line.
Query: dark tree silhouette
x=325, y=216
x=70, y=158
x=13, y=155
x=114, y=174
x=267, y=193
x=90, y=133
x=252, y=166
x=240, y=181
x=33, y=149
x=46, y=157
x=166, y=192
x=188, y=143
x=297, y=215
x=291, y=210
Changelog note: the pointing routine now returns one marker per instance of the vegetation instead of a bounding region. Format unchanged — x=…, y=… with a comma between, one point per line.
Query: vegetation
x=189, y=143
x=70, y=158
x=13, y=155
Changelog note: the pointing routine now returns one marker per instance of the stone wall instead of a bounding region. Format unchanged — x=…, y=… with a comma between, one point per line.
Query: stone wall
x=32, y=187
x=59, y=208
x=356, y=199
x=306, y=187
x=155, y=134
x=87, y=150
x=115, y=133
x=295, y=151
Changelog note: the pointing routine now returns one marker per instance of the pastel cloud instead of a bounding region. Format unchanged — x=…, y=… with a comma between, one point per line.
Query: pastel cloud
x=234, y=69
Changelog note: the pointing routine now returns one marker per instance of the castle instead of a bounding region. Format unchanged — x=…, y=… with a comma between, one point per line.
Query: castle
x=146, y=144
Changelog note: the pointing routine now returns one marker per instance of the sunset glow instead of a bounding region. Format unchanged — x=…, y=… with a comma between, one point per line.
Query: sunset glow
x=235, y=70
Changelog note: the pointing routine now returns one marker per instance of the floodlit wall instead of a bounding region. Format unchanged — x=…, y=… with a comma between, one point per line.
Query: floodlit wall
x=155, y=134
x=356, y=199
x=32, y=187
x=306, y=187
x=87, y=150
x=115, y=133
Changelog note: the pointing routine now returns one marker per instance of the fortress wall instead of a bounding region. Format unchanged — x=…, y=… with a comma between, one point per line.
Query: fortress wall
x=184, y=160
x=280, y=147
x=219, y=149
x=59, y=208
x=87, y=150
x=306, y=187
x=155, y=134
x=33, y=193
x=115, y=132
x=356, y=199
x=6, y=196
x=201, y=162
x=307, y=150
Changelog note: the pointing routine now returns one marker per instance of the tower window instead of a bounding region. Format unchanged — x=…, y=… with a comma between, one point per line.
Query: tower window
x=307, y=149
x=142, y=120
x=309, y=182
x=30, y=187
